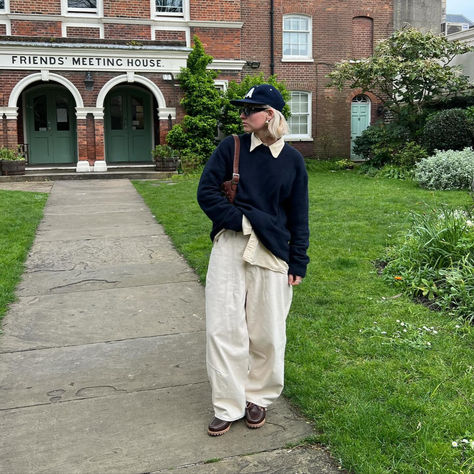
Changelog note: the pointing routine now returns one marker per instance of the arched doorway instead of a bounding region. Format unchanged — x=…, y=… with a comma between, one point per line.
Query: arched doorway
x=50, y=122
x=360, y=119
x=128, y=125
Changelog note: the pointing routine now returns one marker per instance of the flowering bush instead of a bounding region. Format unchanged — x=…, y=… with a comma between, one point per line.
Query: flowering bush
x=447, y=170
x=434, y=261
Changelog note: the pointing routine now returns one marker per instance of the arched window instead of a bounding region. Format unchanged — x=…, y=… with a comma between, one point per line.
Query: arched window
x=362, y=37
x=297, y=38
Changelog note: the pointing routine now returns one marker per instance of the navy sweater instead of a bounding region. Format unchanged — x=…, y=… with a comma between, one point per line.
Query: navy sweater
x=272, y=193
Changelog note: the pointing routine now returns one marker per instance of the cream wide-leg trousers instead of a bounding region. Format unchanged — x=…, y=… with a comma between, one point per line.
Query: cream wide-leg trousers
x=246, y=310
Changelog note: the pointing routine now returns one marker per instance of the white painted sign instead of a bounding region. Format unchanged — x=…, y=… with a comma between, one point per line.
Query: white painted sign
x=95, y=61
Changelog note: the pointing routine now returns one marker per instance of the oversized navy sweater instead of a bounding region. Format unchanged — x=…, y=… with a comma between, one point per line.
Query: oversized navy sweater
x=272, y=193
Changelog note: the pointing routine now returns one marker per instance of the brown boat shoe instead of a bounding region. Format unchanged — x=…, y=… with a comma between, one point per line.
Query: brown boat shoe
x=218, y=427
x=254, y=415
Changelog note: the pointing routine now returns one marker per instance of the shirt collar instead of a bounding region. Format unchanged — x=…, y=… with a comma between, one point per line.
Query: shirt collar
x=275, y=148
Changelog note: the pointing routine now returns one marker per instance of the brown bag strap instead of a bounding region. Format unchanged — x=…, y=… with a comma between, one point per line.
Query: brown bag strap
x=236, y=175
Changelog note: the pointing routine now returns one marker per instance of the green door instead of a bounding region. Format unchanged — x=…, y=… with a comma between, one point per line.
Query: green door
x=51, y=126
x=128, y=126
x=360, y=119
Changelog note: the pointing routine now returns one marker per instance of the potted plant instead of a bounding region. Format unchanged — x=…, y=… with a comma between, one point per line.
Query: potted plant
x=12, y=161
x=166, y=158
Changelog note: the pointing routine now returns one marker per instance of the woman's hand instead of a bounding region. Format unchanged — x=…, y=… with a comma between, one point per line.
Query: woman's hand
x=294, y=280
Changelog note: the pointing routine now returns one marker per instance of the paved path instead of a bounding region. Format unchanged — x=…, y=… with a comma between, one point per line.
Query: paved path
x=102, y=357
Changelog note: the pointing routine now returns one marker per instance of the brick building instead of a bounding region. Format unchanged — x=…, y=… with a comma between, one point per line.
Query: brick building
x=92, y=84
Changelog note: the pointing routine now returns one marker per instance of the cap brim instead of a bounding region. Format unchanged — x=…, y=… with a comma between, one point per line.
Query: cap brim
x=245, y=102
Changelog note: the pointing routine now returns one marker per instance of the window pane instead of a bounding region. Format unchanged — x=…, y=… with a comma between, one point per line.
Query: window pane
x=2, y=4
x=82, y=3
x=62, y=114
x=299, y=120
x=40, y=112
x=116, y=113
x=138, y=118
x=169, y=6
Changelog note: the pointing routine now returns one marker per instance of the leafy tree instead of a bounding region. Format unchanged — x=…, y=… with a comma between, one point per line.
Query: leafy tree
x=406, y=71
x=230, y=119
x=202, y=101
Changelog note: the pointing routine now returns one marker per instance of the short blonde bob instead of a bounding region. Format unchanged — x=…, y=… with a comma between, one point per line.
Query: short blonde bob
x=278, y=126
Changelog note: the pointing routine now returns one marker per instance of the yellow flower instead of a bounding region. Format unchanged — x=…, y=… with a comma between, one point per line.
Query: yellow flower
x=398, y=278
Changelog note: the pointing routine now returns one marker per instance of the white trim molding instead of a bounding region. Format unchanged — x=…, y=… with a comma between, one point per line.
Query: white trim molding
x=26, y=81
x=227, y=64
x=8, y=25
x=87, y=12
x=172, y=16
x=164, y=112
x=6, y=8
x=11, y=113
x=97, y=112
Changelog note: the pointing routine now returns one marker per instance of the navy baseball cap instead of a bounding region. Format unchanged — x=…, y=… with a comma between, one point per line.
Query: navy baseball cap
x=264, y=94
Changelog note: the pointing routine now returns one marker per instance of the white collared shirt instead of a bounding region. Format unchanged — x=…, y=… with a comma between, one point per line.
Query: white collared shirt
x=275, y=148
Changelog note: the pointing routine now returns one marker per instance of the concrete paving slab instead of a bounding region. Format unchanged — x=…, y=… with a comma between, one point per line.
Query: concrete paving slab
x=82, y=317
x=299, y=460
x=97, y=253
x=35, y=187
x=93, y=370
x=114, y=276
x=132, y=433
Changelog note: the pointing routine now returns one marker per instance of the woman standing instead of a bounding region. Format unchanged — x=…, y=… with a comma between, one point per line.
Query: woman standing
x=258, y=255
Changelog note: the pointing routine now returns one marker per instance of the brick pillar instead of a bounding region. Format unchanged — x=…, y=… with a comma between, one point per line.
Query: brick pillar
x=12, y=133
x=82, y=162
x=99, y=139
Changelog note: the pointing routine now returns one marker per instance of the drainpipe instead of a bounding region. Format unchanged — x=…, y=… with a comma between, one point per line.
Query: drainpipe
x=272, y=55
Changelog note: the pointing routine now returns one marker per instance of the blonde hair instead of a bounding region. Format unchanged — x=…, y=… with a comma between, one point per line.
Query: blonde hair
x=278, y=126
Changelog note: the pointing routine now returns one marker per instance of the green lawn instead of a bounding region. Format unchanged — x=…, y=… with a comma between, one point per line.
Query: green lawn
x=20, y=214
x=382, y=404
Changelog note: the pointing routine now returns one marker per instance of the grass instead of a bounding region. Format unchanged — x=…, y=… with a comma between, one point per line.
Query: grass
x=381, y=404
x=20, y=214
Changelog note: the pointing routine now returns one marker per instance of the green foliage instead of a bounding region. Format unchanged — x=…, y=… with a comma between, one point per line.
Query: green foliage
x=230, y=119
x=20, y=214
x=434, y=260
x=447, y=170
x=409, y=155
x=164, y=151
x=406, y=71
x=379, y=143
x=8, y=154
x=448, y=130
x=202, y=103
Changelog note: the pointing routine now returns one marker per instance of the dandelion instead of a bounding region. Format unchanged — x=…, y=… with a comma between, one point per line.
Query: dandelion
x=465, y=441
x=454, y=444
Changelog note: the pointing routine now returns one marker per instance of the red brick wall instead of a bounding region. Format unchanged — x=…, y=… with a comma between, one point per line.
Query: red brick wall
x=162, y=35
x=127, y=8
x=221, y=43
x=362, y=37
x=82, y=32
x=123, y=31
x=36, y=28
x=215, y=10
x=3, y=29
x=36, y=7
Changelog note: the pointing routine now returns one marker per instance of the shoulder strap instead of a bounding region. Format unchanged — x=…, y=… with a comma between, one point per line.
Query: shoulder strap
x=235, y=175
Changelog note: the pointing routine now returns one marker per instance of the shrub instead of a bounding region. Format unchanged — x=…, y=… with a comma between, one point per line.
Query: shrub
x=447, y=170
x=435, y=260
x=410, y=154
x=9, y=154
x=447, y=130
x=379, y=143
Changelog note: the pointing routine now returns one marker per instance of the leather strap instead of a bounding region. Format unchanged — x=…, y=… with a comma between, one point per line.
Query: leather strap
x=236, y=175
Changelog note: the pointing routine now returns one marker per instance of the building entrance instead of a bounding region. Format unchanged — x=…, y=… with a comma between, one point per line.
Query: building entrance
x=128, y=125
x=50, y=125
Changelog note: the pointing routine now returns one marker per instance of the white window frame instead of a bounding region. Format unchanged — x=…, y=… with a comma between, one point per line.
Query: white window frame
x=83, y=12
x=305, y=58
x=6, y=7
x=221, y=84
x=170, y=15
x=302, y=136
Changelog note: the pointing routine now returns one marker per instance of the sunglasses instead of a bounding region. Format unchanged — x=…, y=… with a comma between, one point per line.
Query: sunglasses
x=251, y=110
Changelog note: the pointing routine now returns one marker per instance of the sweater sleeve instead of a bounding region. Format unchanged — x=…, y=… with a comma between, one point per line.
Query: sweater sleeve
x=222, y=213
x=298, y=224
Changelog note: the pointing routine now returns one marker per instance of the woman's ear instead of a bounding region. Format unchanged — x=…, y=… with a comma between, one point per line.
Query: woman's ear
x=270, y=114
